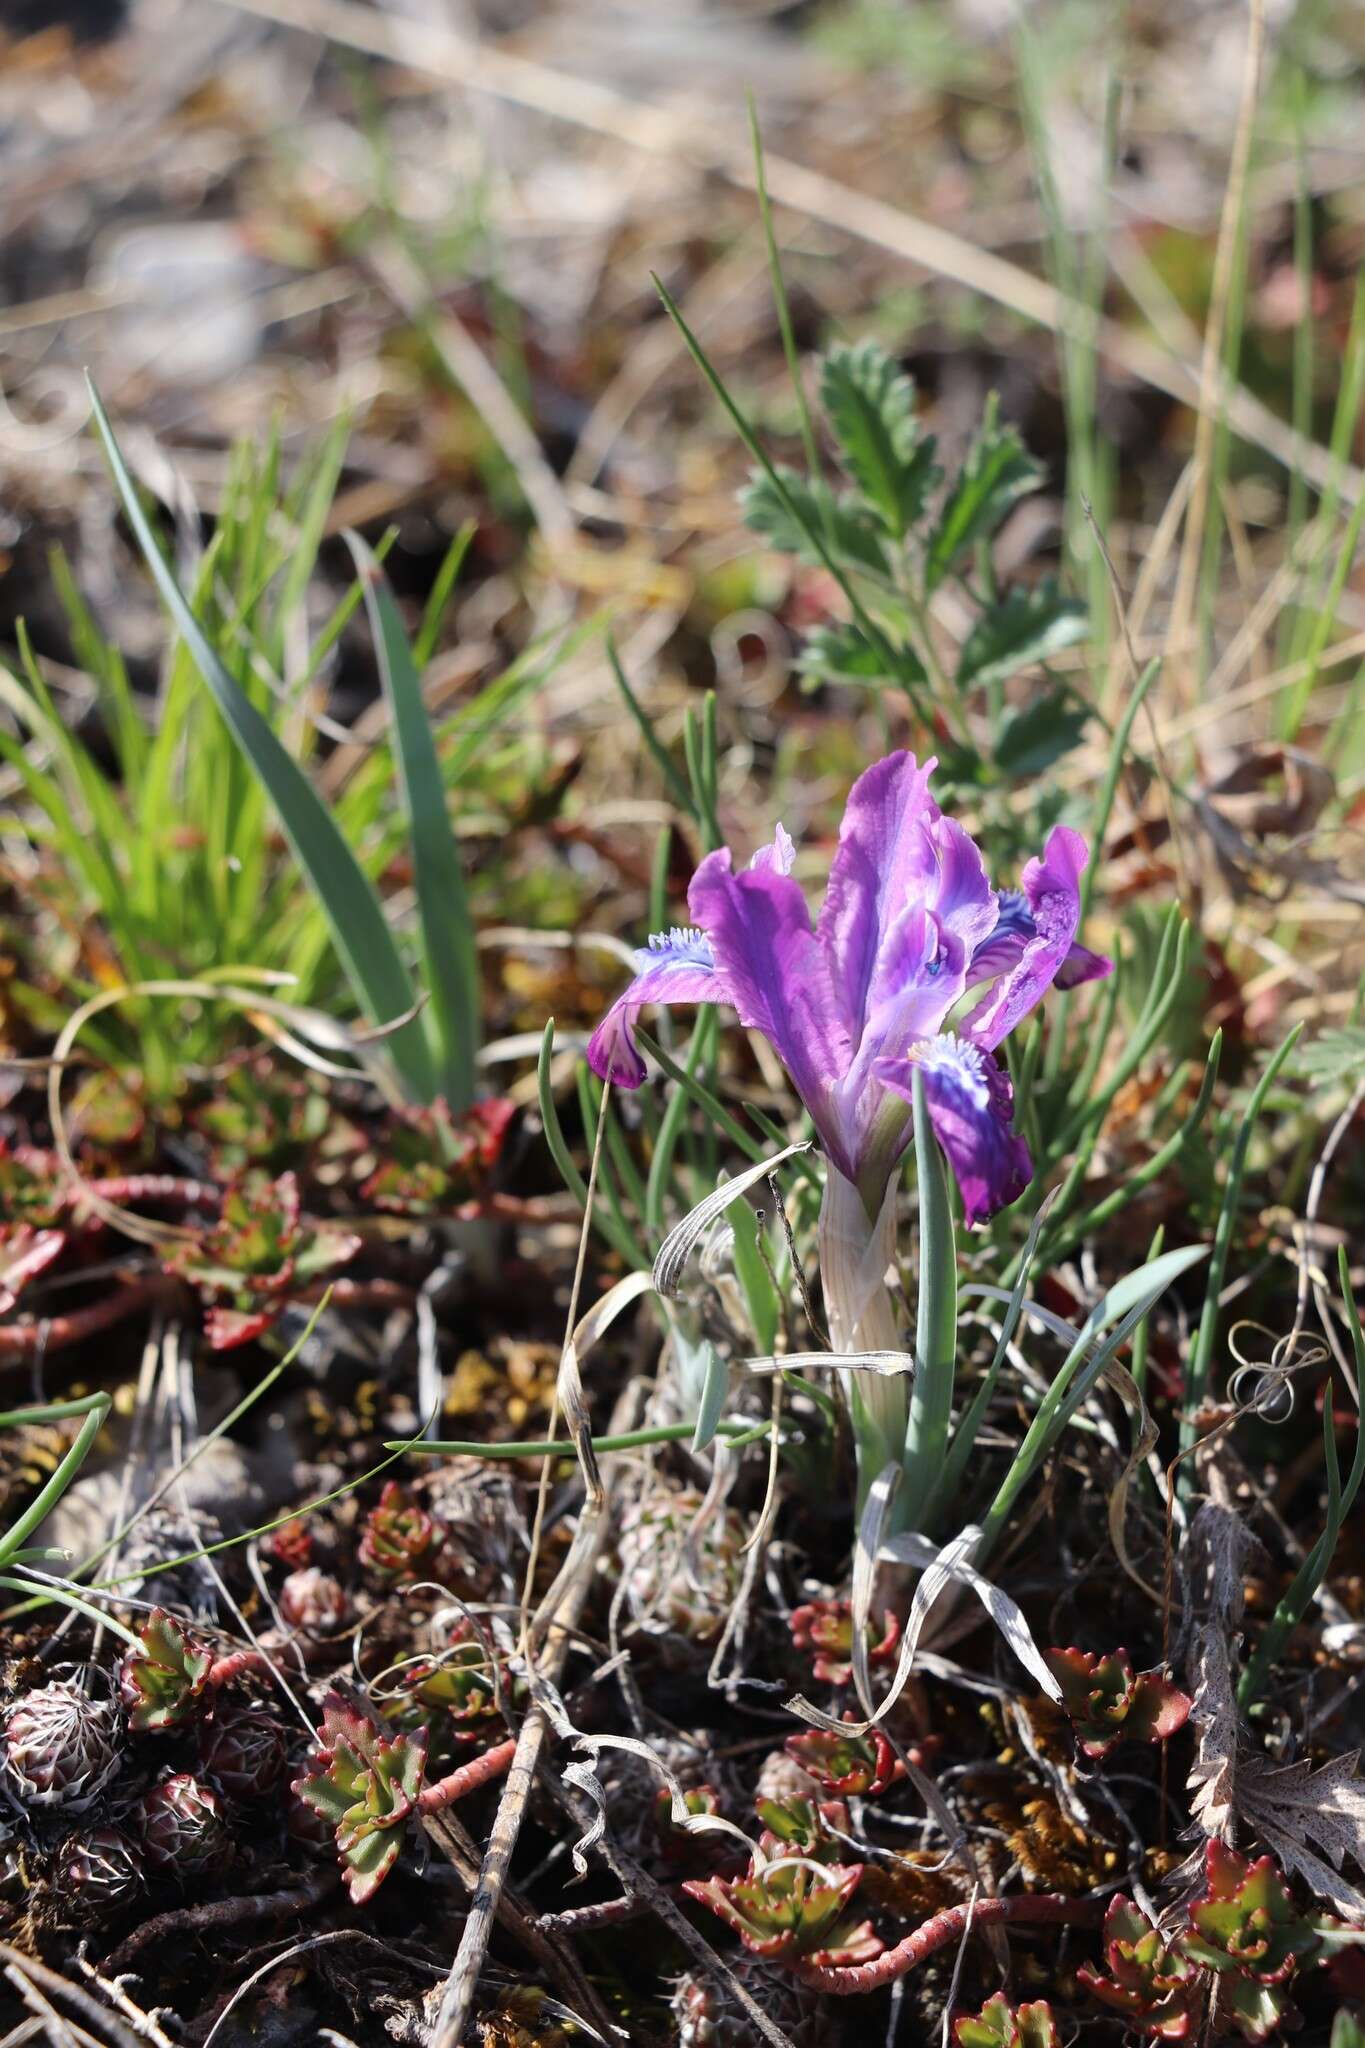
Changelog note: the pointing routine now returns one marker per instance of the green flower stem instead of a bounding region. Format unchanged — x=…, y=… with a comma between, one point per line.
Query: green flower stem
x=931, y=1392
x=739, y=1433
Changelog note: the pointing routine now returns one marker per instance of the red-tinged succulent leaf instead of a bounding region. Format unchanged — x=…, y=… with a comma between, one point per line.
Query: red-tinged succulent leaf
x=33, y=1187
x=226, y=1329
x=799, y=1827
x=399, y=1535
x=1156, y=1710
x=163, y=1680
x=323, y=1247
x=680, y=1844
x=436, y=1162
x=791, y=1907
x=853, y=1766
x=1107, y=1700
x=1150, y=1981
x=24, y=1254
x=826, y=1626
x=1002, y=2025
x=1258, y=2012
x=1246, y=1921
x=365, y=1784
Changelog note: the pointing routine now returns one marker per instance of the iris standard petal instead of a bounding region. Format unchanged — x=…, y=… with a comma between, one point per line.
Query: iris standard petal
x=1004, y=945
x=777, y=977
x=1052, y=893
x=898, y=854
x=678, y=966
x=882, y=862
x=971, y=1107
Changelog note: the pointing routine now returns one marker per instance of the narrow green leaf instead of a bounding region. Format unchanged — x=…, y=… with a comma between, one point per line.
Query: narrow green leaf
x=715, y=1388
x=448, y=947
x=1027, y=627
x=871, y=407
x=374, y=968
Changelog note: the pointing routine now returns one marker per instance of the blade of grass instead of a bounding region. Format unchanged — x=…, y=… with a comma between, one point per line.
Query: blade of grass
x=354, y=916
x=452, y=966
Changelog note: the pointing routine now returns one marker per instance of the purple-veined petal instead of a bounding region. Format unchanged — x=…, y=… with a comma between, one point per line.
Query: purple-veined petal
x=1081, y=965
x=1004, y=948
x=1052, y=892
x=678, y=966
x=897, y=854
x=971, y=1107
x=881, y=861
x=777, y=977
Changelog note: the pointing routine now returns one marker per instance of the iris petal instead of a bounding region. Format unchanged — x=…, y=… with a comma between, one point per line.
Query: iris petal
x=1052, y=892
x=777, y=978
x=678, y=966
x=971, y=1107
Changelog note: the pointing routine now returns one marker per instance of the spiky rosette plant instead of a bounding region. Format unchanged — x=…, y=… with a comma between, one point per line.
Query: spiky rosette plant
x=313, y=1601
x=791, y=1909
x=365, y=1785
x=163, y=1680
x=184, y=1830
x=60, y=1746
x=1149, y=1980
x=654, y=1533
x=1109, y=1702
x=1002, y=2025
x=852, y=1766
x=1246, y=1929
x=99, y=1873
x=826, y=1626
x=242, y=1749
x=400, y=1536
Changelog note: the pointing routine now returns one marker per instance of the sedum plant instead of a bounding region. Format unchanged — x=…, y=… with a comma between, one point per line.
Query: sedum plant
x=1242, y=1943
x=1109, y=1702
x=826, y=1627
x=790, y=1910
x=1002, y=2025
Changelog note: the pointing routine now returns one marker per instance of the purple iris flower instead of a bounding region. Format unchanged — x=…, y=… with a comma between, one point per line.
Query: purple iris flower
x=855, y=1005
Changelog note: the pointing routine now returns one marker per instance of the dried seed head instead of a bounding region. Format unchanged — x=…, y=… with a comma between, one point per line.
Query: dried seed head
x=59, y=1746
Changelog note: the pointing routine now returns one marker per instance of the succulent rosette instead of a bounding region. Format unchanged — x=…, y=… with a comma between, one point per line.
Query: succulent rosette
x=791, y=1909
x=1108, y=1701
x=59, y=1746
